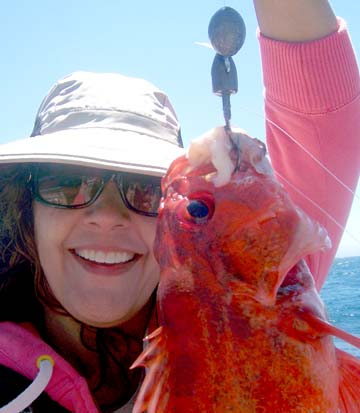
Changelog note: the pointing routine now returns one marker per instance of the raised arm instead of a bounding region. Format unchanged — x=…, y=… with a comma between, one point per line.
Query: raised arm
x=312, y=104
x=295, y=20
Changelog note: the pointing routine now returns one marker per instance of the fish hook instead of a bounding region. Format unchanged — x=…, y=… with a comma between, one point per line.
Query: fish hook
x=235, y=146
x=227, y=34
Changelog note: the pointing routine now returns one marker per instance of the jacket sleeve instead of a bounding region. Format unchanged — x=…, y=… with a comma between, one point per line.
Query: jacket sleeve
x=312, y=104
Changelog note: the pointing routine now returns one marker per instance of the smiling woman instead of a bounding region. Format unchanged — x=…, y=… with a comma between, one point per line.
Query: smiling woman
x=87, y=279
x=87, y=287
x=79, y=199
x=85, y=232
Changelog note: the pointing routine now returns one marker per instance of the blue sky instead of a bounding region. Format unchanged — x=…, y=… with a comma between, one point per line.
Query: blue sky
x=43, y=40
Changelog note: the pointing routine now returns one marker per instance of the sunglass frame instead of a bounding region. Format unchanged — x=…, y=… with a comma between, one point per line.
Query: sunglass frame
x=117, y=177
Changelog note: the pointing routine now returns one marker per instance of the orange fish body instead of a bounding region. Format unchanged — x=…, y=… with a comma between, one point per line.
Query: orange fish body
x=236, y=301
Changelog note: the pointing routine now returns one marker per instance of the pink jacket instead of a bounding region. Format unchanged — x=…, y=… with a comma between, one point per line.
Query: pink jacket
x=20, y=348
x=312, y=92
x=313, y=95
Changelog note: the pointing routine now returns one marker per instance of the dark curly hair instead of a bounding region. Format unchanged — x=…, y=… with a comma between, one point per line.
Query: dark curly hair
x=23, y=285
x=24, y=290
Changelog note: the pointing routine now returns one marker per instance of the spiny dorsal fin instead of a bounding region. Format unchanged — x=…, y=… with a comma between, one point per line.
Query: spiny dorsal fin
x=152, y=395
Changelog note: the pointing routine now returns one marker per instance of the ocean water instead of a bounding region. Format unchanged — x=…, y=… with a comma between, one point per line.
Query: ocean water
x=341, y=294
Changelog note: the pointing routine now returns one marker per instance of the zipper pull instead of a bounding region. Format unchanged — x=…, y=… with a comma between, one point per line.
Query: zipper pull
x=45, y=364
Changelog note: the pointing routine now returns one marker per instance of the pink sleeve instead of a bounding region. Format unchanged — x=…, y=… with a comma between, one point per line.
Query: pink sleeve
x=312, y=95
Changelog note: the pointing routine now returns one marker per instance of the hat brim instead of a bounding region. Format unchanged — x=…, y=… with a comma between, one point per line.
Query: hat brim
x=99, y=148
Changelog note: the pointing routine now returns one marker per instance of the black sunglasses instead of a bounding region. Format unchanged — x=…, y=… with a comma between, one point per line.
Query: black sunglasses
x=64, y=186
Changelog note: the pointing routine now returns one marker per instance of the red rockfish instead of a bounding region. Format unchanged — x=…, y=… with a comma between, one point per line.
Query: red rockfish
x=242, y=327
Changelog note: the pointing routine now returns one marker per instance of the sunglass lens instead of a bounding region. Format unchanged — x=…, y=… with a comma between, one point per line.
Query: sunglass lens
x=76, y=187
x=143, y=194
x=66, y=188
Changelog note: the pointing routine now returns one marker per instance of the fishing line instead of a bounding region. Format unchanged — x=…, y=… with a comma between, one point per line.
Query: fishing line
x=226, y=43
x=226, y=40
x=336, y=222
x=319, y=207
x=313, y=157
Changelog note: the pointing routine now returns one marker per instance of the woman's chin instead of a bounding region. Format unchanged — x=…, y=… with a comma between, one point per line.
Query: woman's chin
x=103, y=320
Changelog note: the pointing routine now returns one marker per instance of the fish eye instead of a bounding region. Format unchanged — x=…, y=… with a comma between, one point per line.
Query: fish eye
x=198, y=209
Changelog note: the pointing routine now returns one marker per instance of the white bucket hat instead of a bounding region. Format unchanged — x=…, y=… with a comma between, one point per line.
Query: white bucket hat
x=102, y=120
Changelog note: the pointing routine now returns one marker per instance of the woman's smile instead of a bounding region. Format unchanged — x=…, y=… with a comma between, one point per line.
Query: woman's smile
x=110, y=263
x=98, y=260
x=105, y=257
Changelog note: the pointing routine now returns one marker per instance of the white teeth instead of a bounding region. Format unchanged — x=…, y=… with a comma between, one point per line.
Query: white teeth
x=112, y=257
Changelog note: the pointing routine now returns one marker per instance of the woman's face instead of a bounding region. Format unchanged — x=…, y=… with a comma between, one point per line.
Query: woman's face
x=98, y=260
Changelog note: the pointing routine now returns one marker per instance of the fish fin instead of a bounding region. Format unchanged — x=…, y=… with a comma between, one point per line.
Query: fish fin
x=349, y=385
x=152, y=396
x=325, y=327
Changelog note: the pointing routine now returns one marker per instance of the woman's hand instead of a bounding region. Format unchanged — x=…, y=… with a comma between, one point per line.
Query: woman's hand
x=295, y=20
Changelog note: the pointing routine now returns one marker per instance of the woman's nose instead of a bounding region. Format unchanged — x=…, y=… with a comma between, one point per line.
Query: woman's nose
x=108, y=210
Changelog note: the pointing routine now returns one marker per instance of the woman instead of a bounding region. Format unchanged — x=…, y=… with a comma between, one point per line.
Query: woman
x=79, y=199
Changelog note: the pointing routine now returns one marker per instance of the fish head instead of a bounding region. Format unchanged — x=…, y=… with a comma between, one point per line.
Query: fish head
x=222, y=205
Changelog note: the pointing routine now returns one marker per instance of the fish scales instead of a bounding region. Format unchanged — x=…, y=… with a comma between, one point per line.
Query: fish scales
x=233, y=295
